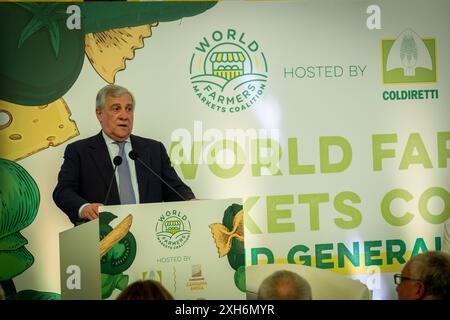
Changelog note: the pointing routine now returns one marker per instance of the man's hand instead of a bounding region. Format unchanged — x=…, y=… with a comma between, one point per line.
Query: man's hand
x=90, y=211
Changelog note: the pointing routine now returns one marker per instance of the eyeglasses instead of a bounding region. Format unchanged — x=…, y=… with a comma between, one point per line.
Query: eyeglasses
x=398, y=278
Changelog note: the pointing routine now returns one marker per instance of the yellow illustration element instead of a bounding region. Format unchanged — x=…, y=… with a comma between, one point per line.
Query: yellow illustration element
x=172, y=226
x=227, y=65
x=223, y=237
x=25, y=130
x=108, y=50
x=116, y=235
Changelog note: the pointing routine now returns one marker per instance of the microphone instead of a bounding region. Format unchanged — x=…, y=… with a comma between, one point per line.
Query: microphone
x=134, y=156
x=117, y=162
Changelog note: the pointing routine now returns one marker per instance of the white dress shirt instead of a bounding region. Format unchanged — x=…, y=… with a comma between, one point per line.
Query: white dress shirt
x=113, y=150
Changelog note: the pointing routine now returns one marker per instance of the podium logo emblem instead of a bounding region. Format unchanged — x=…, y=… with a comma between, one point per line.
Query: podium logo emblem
x=173, y=229
x=228, y=71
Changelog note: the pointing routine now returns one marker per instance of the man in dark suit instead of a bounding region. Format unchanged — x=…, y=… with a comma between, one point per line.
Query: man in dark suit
x=88, y=164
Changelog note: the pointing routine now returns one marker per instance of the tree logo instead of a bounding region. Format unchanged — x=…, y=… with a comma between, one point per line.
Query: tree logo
x=409, y=59
x=173, y=229
x=228, y=72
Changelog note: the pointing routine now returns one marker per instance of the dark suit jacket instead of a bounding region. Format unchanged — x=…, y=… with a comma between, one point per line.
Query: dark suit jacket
x=87, y=170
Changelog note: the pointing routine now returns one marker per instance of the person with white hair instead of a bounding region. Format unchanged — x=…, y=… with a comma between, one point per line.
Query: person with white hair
x=284, y=285
x=425, y=276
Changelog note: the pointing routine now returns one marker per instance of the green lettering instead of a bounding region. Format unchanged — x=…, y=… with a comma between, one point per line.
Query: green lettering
x=352, y=257
x=255, y=252
x=369, y=254
x=238, y=163
x=437, y=243
x=248, y=220
x=397, y=221
x=294, y=167
x=299, y=248
x=415, y=143
x=325, y=164
x=378, y=154
x=443, y=151
x=271, y=161
x=423, y=202
x=419, y=246
x=391, y=254
x=354, y=214
x=314, y=200
x=321, y=256
x=274, y=214
x=189, y=166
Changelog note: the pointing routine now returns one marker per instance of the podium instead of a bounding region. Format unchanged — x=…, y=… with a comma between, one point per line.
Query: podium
x=194, y=248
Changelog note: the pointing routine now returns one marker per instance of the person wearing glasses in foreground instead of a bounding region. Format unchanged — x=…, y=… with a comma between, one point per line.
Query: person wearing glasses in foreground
x=425, y=277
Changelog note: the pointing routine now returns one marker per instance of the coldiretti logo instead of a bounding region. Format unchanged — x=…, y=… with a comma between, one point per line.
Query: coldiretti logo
x=228, y=71
x=409, y=59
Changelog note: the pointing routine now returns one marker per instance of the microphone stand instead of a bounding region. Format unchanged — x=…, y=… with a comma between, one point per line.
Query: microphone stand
x=134, y=156
x=117, y=162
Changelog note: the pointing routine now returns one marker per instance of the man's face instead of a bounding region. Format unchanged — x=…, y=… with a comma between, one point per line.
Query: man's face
x=409, y=289
x=116, y=117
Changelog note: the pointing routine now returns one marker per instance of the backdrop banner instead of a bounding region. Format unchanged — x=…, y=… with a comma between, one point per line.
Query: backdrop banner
x=330, y=119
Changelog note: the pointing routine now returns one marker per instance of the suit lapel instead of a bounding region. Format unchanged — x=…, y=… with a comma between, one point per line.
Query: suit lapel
x=141, y=171
x=100, y=156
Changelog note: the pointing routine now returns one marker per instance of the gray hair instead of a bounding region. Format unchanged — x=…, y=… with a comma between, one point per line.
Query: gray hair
x=284, y=285
x=433, y=269
x=110, y=90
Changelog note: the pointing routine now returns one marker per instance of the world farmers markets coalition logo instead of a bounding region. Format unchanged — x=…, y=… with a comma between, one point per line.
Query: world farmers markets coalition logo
x=173, y=229
x=228, y=71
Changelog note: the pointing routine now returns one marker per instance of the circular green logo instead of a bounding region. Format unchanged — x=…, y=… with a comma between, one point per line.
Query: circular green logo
x=228, y=71
x=173, y=229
